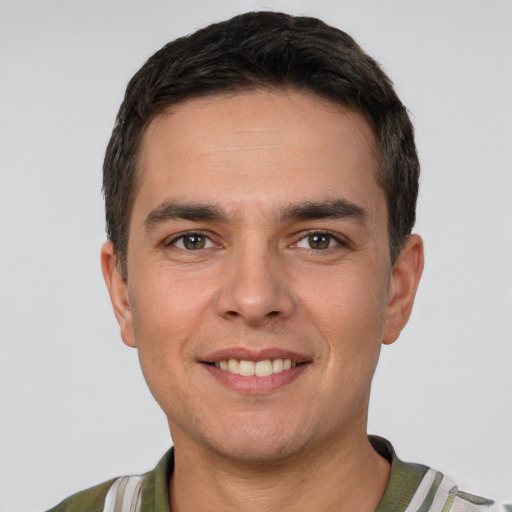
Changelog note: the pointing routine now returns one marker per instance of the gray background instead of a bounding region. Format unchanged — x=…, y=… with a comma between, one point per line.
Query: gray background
x=74, y=407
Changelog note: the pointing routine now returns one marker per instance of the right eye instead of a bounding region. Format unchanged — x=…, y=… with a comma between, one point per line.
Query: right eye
x=192, y=242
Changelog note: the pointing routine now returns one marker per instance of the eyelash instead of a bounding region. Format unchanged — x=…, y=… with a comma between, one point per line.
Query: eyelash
x=333, y=241
x=190, y=234
x=331, y=238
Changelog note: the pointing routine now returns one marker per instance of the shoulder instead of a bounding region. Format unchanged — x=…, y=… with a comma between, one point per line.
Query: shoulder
x=92, y=499
x=438, y=492
x=413, y=487
x=125, y=491
x=148, y=491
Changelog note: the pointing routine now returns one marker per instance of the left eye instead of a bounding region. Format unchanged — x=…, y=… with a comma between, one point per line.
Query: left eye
x=318, y=241
x=192, y=242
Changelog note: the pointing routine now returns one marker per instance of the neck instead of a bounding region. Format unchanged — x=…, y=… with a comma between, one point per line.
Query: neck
x=347, y=476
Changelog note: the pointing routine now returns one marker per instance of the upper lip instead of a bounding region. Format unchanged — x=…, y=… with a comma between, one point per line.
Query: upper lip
x=255, y=355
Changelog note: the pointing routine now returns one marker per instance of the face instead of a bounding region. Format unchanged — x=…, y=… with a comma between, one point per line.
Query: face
x=260, y=286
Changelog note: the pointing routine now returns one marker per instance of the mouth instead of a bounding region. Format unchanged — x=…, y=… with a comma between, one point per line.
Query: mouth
x=256, y=372
x=247, y=368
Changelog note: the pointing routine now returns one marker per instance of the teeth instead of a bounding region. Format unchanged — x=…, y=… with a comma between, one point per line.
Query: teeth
x=263, y=368
x=277, y=365
x=260, y=369
x=246, y=368
x=233, y=365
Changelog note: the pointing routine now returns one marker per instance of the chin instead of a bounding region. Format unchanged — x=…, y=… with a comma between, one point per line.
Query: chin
x=264, y=443
x=259, y=450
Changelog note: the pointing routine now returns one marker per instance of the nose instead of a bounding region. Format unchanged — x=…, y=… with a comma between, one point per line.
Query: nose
x=255, y=288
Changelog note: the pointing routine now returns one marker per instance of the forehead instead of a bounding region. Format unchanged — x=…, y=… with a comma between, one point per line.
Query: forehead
x=261, y=148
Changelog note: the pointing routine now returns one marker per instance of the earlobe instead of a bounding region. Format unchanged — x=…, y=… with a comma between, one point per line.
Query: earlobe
x=118, y=291
x=404, y=283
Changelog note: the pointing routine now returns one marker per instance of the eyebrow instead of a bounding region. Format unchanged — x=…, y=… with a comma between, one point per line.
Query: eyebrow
x=334, y=209
x=309, y=210
x=170, y=210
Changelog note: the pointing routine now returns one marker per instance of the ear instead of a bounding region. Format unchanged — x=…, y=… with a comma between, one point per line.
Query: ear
x=118, y=291
x=405, y=278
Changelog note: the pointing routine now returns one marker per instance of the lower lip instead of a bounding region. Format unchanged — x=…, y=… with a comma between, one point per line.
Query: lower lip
x=256, y=385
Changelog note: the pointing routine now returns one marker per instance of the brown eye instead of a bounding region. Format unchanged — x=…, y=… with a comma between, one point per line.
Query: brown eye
x=319, y=241
x=194, y=242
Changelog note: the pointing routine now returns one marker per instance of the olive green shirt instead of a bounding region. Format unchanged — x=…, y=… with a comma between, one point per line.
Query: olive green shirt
x=411, y=488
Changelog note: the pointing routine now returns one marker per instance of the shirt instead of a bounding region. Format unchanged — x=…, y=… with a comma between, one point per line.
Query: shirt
x=411, y=488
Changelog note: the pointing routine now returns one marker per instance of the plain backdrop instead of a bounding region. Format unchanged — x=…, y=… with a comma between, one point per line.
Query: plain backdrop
x=74, y=408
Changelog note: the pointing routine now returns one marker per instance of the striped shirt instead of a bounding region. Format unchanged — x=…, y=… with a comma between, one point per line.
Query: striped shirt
x=411, y=488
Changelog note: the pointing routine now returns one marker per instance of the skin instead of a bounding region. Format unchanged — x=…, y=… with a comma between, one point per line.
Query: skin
x=257, y=284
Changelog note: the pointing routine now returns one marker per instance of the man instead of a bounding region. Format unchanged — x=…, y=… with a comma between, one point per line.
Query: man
x=260, y=188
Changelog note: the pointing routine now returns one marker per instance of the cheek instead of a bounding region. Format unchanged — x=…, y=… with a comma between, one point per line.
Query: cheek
x=161, y=328
x=167, y=314
x=168, y=302
x=349, y=309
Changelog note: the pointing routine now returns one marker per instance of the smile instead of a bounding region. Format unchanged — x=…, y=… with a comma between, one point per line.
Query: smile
x=247, y=368
x=255, y=372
